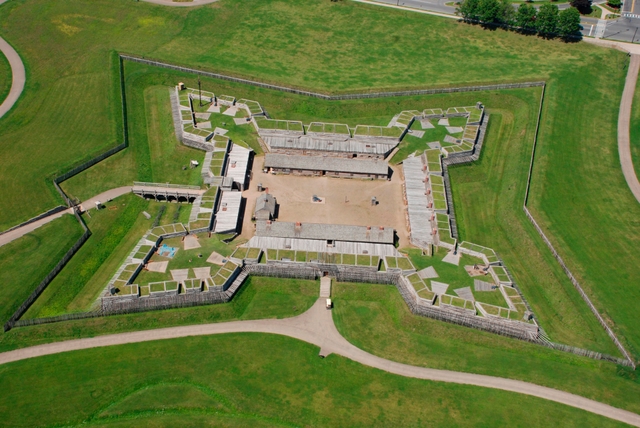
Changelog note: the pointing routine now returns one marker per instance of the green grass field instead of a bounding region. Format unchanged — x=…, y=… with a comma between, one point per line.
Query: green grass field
x=5, y=77
x=258, y=298
x=40, y=250
x=376, y=319
x=284, y=383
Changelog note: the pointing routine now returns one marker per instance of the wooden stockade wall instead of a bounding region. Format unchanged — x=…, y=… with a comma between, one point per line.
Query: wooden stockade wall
x=574, y=281
x=50, y=276
x=330, y=97
x=13, y=321
x=36, y=218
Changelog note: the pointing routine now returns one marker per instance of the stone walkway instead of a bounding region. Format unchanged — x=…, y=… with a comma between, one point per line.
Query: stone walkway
x=316, y=327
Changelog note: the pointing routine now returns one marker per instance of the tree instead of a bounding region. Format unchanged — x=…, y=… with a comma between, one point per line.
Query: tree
x=468, y=9
x=583, y=6
x=547, y=19
x=490, y=11
x=615, y=3
x=526, y=17
x=569, y=22
x=508, y=12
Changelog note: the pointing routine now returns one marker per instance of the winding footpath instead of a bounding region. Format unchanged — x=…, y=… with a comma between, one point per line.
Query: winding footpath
x=17, y=73
x=19, y=232
x=624, y=122
x=316, y=327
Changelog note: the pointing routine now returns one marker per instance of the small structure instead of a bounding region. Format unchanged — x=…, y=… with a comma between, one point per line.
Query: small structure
x=194, y=164
x=265, y=207
x=238, y=166
x=228, y=215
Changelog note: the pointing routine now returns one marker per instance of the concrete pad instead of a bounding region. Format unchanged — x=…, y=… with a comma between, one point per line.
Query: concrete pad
x=241, y=121
x=426, y=124
x=231, y=111
x=434, y=145
x=157, y=266
x=450, y=139
x=452, y=258
x=190, y=242
x=204, y=116
x=465, y=293
x=454, y=129
x=202, y=272
x=443, y=122
x=439, y=287
x=216, y=259
x=180, y=274
x=206, y=125
x=325, y=286
x=483, y=286
x=417, y=134
x=220, y=131
x=429, y=272
x=214, y=109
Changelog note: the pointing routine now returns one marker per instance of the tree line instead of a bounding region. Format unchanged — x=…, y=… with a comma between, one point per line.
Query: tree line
x=547, y=21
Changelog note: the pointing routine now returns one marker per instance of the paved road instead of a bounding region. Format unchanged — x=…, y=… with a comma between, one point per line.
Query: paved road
x=624, y=118
x=88, y=204
x=17, y=73
x=316, y=327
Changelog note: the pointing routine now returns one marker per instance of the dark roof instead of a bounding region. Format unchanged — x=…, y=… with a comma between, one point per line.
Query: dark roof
x=326, y=163
x=336, y=232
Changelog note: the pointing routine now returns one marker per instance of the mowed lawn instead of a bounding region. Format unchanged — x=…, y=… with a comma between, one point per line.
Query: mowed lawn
x=26, y=261
x=195, y=382
x=375, y=318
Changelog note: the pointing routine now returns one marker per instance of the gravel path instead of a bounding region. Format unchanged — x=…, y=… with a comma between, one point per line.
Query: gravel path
x=624, y=119
x=316, y=327
x=17, y=74
x=88, y=204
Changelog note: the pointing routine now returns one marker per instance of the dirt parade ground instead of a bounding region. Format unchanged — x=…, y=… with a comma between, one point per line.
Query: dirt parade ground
x=344, y=201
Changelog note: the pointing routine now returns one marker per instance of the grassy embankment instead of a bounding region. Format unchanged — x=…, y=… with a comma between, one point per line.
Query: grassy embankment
x=40, y=250
x=194, y=382
x=376, y=319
